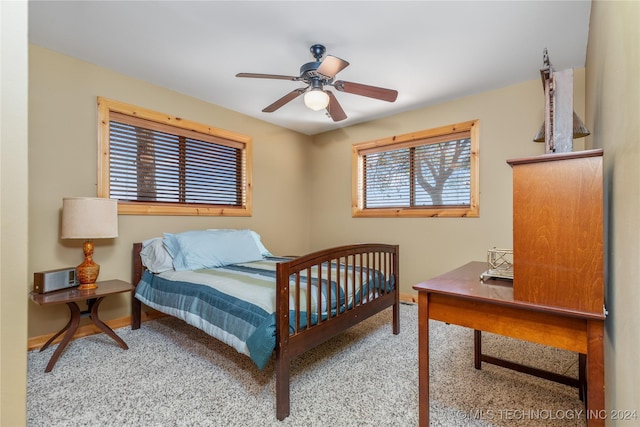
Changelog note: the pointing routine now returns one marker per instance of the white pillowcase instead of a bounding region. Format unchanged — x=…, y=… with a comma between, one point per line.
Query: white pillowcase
x=155, y=256
x=194, y=250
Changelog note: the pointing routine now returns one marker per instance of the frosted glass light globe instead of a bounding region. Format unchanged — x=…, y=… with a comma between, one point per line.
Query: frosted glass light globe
x=316, y=99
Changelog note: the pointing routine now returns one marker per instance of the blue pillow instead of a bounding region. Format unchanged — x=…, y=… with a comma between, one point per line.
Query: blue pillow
x=263, y=250
x=194, y=250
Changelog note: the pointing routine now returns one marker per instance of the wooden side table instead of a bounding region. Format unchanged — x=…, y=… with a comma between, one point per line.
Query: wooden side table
x=70, y=297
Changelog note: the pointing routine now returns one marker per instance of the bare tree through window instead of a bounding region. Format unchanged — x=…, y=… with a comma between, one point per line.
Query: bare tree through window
x=431, y=173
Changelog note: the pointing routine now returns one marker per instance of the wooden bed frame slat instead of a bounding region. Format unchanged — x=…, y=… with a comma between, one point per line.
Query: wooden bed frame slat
x=379, y=257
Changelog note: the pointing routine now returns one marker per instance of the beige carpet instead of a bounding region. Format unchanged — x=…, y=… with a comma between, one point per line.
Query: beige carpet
x=174, y=375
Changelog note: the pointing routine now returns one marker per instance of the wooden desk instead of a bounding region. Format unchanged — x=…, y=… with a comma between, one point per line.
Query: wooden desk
x=459, y=297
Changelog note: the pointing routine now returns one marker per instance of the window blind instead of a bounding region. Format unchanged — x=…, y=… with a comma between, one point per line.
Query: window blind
x=422, y=174
x=151, y=162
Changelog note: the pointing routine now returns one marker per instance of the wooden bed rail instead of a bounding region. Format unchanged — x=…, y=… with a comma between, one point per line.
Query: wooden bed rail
x=365, y=280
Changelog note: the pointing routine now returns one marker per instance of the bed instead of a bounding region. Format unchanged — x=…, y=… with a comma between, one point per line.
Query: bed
x=227, y=284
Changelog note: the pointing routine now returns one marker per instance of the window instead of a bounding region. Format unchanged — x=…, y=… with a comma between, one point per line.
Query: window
x=431, y=173
x=162, y=165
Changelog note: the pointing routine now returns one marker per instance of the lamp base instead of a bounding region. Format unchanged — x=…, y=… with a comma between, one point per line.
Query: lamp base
x=87, y=287
x=88, y=271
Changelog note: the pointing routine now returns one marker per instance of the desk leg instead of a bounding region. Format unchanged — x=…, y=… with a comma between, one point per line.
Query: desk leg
x=103, y=327
x=423, y=359
x=71, y=328
x=477, y=349
x=595, y=374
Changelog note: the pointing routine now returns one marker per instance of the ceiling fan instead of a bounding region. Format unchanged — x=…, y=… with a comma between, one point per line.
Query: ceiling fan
x=317, y=75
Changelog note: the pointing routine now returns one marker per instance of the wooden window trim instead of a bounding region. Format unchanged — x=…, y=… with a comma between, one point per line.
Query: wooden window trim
x=108, y=108
x=410, y=140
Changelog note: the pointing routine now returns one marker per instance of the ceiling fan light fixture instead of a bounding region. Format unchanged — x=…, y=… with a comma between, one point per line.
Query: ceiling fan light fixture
x=317, y=75
x=316, y=99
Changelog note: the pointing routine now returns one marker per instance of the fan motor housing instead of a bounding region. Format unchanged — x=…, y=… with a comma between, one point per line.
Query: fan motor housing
x=309, y=70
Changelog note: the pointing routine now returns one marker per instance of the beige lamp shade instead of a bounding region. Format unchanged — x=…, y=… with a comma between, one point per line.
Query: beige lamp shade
x=89, y=218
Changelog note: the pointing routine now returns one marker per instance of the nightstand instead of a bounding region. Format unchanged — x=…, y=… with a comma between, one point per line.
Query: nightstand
x=70, y=297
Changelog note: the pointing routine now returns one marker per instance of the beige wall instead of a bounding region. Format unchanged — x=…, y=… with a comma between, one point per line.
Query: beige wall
x=63, y=162
x=509, y=119
x=613, y=114
x=13, y=212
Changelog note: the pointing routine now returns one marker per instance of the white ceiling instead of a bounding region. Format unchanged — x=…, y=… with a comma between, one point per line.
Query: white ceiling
x=429, y=51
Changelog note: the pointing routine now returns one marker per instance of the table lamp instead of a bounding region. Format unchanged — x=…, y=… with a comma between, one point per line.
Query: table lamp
x=89, y=218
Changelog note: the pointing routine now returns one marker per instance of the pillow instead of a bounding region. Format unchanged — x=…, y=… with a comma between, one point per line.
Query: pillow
x=155, y=256
x=194, y=250
x=255, y=235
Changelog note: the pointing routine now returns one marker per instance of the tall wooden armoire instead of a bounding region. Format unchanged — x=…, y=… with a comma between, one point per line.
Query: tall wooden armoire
x=558, y=230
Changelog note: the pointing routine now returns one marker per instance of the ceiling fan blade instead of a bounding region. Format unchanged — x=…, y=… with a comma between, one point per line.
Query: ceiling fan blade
x=285, y=99
x=268, y=76
x=332, y=65
x=383, y=94
x=334, y=109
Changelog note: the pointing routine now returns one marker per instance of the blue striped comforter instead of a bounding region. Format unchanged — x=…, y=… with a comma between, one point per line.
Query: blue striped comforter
x=236, y=303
